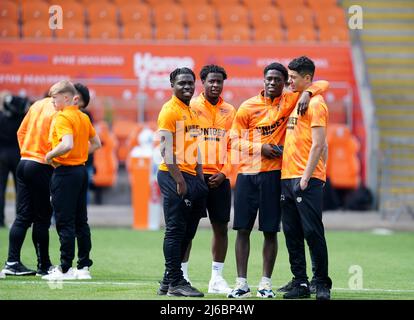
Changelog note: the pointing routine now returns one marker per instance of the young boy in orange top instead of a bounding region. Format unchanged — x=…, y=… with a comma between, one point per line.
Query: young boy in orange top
x=33, y=180
x=216, y=117
x=258, y=132
x=72, y=137
x=303, y=178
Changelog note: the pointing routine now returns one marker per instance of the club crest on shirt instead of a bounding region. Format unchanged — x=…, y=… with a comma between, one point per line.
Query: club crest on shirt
x=299, y=199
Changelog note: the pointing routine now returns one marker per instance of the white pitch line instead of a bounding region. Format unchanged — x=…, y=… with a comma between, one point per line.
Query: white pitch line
x=146, y=283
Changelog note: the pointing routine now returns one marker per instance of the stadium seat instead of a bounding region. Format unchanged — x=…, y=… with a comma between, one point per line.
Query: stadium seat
x=103, y=30
x=170, y=32
x=137, y=31
x=73, y=11
x=168, y=14
x=9, y=29
x=301, y=34
x=265, y=15
x=101, y=12
x=334, y=35
x=233, y=14
x=343, y=166
x=268, y=33
x=135, y=13
x=122, y=129
x=322, y=4
x=159, y=2
x=330, y=18
x=298, y=17
x=202, y=32
x=254, y=4
x=105, y=162
x=71, y=30
x=9, y=11
x=36, y=29
x=235, y=33
x=35, y=10
x=290, y=4
x=200, y=14
x=219, y=4
x=187, y=3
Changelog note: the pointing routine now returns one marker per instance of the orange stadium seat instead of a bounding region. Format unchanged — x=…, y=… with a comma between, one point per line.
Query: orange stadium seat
x=233, y=14
x=343, y=167
x=268, y=33
x=298, y=17
x=301, y=34
x=71, y=30
x=202, y=32
x=35, y=10
x=187, y=3
x=168, y=14
x=265, y=15
x=289, y=4
x=135, y=13
x=218, y=4
x=137, y=31
x=9, y=11
x=9, y=29
x=73, y=11
x=101, y=12
x=321, y=4
x=105, y=162
x=254, y=4
x=334, y=35
x=122, y=129
x=103, y=30
x=170, y=32
x=159, y=2
x=235, y=33
x=36, y=29
x=200, y=14
x=331, y=17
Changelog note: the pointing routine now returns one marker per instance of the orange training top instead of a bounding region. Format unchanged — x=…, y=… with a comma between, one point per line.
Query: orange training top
x=260, y=121
x=298, y=140
x=182, y=122
x=76, y=123
x=33, y=132
x=215, y=124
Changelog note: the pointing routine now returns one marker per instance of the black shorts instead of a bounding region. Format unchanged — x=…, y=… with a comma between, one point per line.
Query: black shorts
x=261, y=192
x=218, y=202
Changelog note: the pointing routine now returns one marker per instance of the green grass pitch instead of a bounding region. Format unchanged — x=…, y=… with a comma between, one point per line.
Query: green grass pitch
x=128, y=265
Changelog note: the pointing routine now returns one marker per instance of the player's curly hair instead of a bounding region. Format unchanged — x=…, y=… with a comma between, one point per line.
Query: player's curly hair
x=277, y=66
x=183, y=70
x=212, y=68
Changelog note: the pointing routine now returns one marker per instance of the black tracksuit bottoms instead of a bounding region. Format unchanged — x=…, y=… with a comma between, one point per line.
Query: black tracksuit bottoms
x=182, y=215
x=68, y=188
x=302, y=219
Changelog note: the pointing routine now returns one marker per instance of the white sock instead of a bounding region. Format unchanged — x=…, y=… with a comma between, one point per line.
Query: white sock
x=184, y=268
x=243, y=281
x=216, y=269
x=266, y=280
x=12, y=263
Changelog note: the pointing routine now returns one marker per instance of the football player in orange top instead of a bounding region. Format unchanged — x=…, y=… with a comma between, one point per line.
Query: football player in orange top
x=215, y=117
x=303, y=178
x=258, y=131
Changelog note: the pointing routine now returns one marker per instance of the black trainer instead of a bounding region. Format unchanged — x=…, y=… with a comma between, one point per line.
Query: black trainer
x=43, y=271
x=299, y=291
x=17, y=269
x=184, y=289
x=287, y=287
x=163, y=289
x=323, y=292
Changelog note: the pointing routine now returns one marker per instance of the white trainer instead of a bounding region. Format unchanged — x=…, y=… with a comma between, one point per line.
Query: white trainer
x=218, y=285
x=83, y=274
x=265, y=291
x=57, y=274
x=2, y=275
x=241, y=290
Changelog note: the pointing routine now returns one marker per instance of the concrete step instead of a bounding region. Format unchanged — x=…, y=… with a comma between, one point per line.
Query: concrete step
x=397, y=113
x=389, y=102
x=392, y=70
x=388, y=133
x=403, y=83
x=377, y=5
x=400, y=124
x=389, y=51
x=388, y=38
x=394, y=61
x=387, y=16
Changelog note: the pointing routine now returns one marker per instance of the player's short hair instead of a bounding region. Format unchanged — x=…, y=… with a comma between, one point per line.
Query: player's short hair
x=302, y=65
x=183, y=70
x=212, y=68
x=276, y=66
x=63, y=86
x=84, y=93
